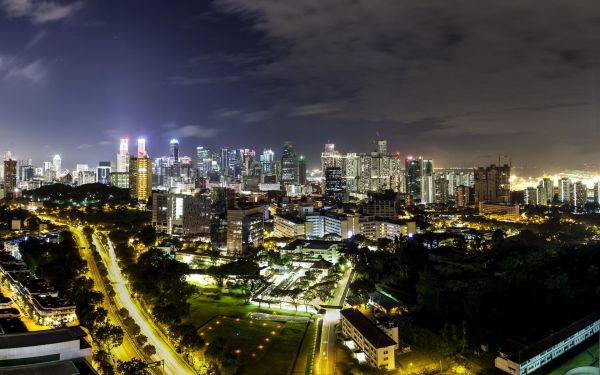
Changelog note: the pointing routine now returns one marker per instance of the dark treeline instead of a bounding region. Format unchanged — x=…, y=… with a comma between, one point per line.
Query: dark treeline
x=85, y=195
x=522, y=287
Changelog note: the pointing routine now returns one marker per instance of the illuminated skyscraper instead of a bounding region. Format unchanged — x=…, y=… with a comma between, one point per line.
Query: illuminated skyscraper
x=140, y=174
x=57, y=163
x=174, y=150
x=414, y=177
x=123, y=156
x=564, y=190
x=202, y=159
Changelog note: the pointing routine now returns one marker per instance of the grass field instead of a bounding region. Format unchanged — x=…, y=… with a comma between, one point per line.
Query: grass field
x=585, y=358
x=204, y=306
x=265, y=347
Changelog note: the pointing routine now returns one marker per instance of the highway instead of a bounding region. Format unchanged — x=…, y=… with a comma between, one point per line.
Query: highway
x=128, y=349
x=173, y=363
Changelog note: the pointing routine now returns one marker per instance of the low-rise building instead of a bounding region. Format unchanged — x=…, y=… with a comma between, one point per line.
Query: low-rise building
x=376, y=345
x=291, y=226
x=375, y=228
x=520, y=360
x=499, y=210
x=312, y=251
x=43, y=346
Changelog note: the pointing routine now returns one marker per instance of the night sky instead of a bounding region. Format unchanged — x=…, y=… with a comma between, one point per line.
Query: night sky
x=459, y=82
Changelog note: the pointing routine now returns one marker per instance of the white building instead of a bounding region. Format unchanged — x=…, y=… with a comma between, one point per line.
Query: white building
x=376, y=345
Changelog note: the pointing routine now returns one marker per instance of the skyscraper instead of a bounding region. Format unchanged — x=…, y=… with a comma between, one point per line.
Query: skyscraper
x=414, y=177
x=57, y=163
x=123, y=156
x=202, y=155
x=427, y=181
x=174, y=150
x=334, y=183
x=289, y=164
x=140, y=174
x=492, y=184
x=564, y=190
x=10, y=176
x=103, y=172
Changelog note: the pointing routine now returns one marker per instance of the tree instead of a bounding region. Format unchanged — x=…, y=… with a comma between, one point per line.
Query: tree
x=361, y=288
x=147, y=235
x=103, y=362
x=149, y=350
x=132, y=367
x=109, y=336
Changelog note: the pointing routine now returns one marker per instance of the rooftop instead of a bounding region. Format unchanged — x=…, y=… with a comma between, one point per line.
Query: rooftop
x=367, y=328
x=49, y=368
x=531, y=351
x=53, y=336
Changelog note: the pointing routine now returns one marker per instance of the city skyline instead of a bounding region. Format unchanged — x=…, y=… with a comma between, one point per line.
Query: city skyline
x=459, y=87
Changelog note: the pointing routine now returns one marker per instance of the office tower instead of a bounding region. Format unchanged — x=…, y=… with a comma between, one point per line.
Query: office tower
x=542, y=198
x=597, y=192
x=202, y=156
x=181, y=214
x=462, y=196
x=301, y=170
x=141, y=148
x=578, y=194
x=86, y=177
x=140, y=174
x=174, y=150
x=331, y=157
x=10, y=176
x=289, y=165
x=81, y=167
x=224, y=161
x=564, y=190
x=103, y=172
x=492, y=184
x=123, y=156
x=414, y=177
x=266, y=161
x=26, y=172
x=245, y=227
x=334, y=184
x=57, y=163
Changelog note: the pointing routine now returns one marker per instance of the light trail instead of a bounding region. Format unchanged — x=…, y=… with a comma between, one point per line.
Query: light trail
x=173, y=364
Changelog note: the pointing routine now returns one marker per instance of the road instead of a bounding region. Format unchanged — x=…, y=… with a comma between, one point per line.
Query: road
x=128, y=349
x=173, y=363
x=325, y=364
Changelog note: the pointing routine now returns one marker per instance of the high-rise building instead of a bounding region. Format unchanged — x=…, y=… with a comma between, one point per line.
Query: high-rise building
x=462, y=196
x=547, y=185
x=578, y=194
x=245, y=228
x=10, y=176
x=289, y=165
x=174, y=150
x=202, y=157
x=414, y=177
x=597, y=192
x=331, y=157
x=564, y=190
x=140, y=174
x=301, y=170
x=334, y=184
x=57, y=163
x=382, y=146
x=103, y=172
x=441, y=190
x=427, y=181
x=531, y=196
x=181, y=214
x=492, y=184
x=123, y=156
